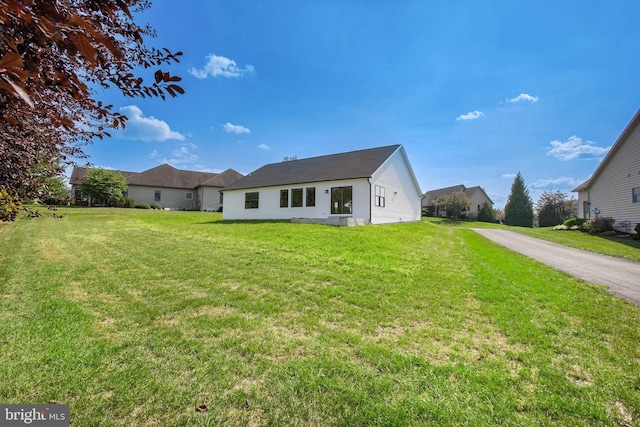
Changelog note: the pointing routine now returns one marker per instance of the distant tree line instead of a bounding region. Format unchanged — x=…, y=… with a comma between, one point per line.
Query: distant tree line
x=552, y=208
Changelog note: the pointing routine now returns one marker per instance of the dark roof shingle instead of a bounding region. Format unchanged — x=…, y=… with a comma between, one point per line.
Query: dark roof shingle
x=167, y=176
x=350, y=165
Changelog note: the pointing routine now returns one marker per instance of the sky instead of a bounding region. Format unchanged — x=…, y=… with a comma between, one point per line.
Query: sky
x=475, y=91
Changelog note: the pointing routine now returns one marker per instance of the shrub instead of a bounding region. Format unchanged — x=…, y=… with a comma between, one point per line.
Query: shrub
x=561, y=227
x=571, y=222
x=142, y=206
x=156, y=206
x=487, y=213
x=637, y=230
x=126, y=202
x=9, y=206
x=599, y=225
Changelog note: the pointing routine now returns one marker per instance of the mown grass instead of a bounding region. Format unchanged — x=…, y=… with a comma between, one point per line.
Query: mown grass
x=626, y=248
x=138, y=317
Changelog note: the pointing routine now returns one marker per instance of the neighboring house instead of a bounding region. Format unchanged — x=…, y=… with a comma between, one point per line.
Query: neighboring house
x=170, y=187
x=614, y=188
x=374, y=186
x=476, y=194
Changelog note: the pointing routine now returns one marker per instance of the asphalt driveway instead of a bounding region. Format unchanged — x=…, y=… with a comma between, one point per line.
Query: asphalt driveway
x=622, y=277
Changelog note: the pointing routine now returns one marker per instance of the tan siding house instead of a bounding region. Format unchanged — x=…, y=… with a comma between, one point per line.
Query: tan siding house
x=172, y=188
x=477, y=195
x=614, y=188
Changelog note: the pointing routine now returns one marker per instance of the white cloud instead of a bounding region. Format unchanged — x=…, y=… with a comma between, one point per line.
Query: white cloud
x=574, y=147
x=184, y=155
x=142, y=128
x=472, y=115
x=556, y=182
x=509, y=175
x=219, y=66
x=523, y=97
x=263, y=147
x=237, y=129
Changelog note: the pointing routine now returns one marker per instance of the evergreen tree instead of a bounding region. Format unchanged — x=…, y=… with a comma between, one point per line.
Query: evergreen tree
x=519, y=207
x=487, y=213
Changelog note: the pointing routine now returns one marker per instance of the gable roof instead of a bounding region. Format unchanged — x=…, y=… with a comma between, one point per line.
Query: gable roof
x=167, y=176
x=431, y=195
x=635, y=121
x=471, y=191
x=222, y=180
x=333, y=167
x=79, y=173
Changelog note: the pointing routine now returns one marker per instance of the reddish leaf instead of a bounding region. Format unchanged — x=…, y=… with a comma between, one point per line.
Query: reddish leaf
x=176, y=88
x=11, y=60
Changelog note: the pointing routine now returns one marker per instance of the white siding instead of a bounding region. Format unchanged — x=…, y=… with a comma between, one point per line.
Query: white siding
x=172, y=198
x=583, y=197
x=269, y=202
x=610, y=192
x=402, y=198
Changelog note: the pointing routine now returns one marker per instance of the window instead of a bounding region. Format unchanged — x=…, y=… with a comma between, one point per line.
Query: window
x=251, y=200
x=221, y=197
x=188, y=196
x=284, y=198
x=341, y=200
x=157, y=195
x=380, y=200
x=296, y=198
x=635, y=194
x=311, y=196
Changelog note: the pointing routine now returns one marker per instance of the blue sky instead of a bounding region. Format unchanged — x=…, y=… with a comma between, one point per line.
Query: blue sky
x=476, y=91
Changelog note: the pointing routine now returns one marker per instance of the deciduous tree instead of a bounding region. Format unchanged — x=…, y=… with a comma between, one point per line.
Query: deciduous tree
x=455, y=204
x=103, y=185
x=53, y=55
x=554, y=208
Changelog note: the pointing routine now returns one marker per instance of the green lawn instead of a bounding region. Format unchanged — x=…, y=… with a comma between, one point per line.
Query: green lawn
x=614, y=246
x=137, y=317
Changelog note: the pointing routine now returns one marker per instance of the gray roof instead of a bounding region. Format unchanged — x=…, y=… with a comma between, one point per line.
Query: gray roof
x=166, y=176
x=79, y=173
x=169, y=177
x=333, y=167
x=222, y=180
x=431, y=195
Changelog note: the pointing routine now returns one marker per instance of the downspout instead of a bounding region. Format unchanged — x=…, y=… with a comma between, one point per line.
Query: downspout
x=370, y=208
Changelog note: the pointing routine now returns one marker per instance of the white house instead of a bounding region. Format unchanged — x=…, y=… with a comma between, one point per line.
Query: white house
x=374, y=186
x=614, y=188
